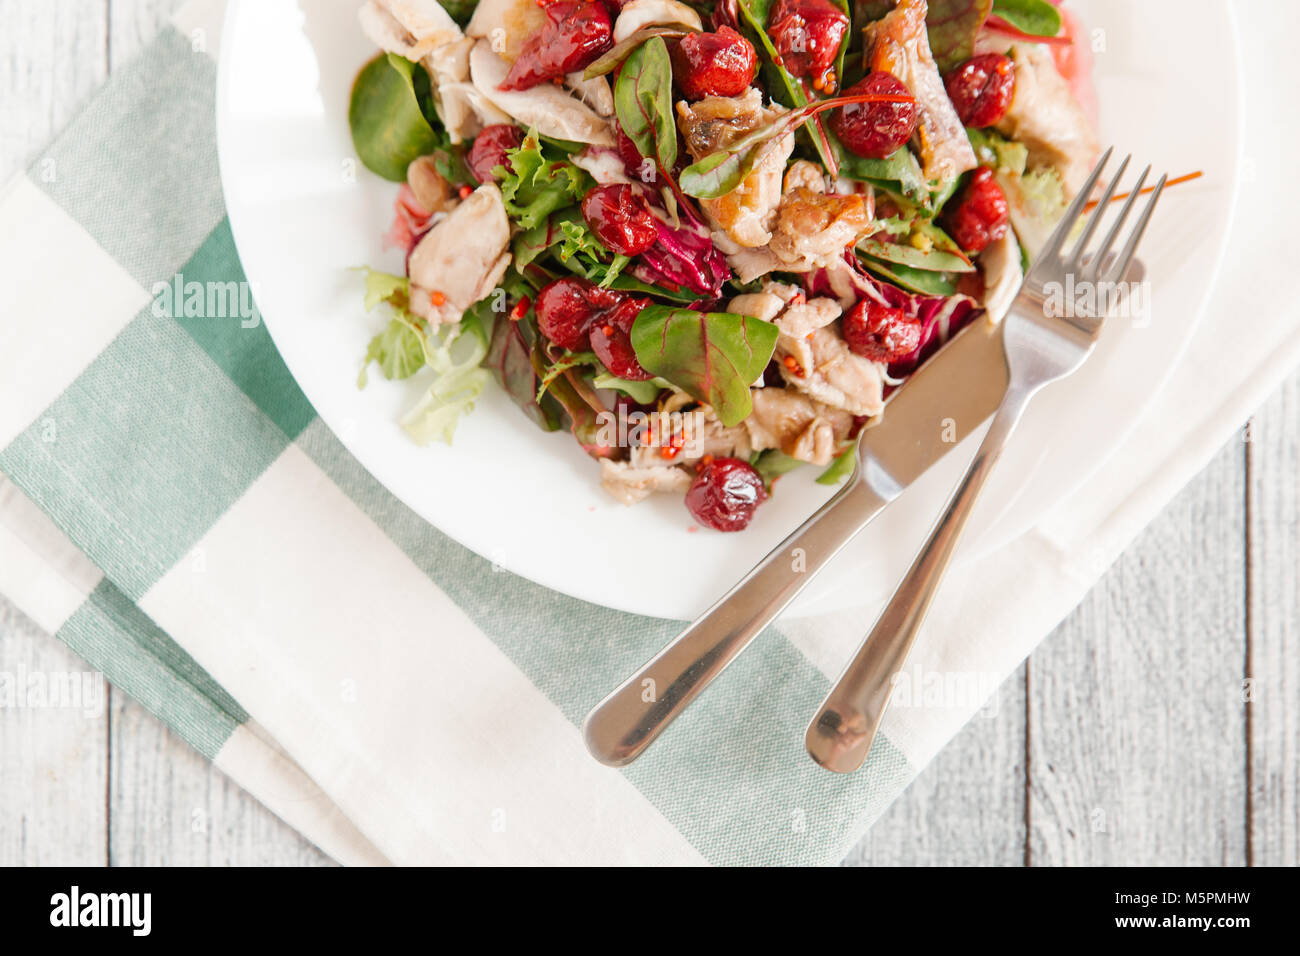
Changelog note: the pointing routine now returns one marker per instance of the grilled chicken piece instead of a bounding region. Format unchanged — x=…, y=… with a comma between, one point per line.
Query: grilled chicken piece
x=431, y=190
x=705, y=435
x=809, y=351
x=797, y=425
x=751, y=264
x=605, y=165
x=643, y=13
x=812, y=228
x=546, y=107
x=594, y=92
x=1045, y=116
x=461, y=260
x=409, y=28
x=827, y=371
x=506, y=24
x=1000, y=264
x=461, y=107
x=422, y=31
x=763, y=305
x=899, y=44
x=630, y=484
x=785, y=305
x=701, y=433
x=747, y=213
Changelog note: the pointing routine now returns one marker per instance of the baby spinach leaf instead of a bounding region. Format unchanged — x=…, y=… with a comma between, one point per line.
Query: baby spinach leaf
x=934, y=260
x=460, y=10
x=774, y=463
x=899, y=174
x=841, y=467
x=643, y=99
x=609, y=61
x=626, y=283
x=1036, y=17
x=952, y=25
x=913, y=280
x=509, y=358
x=389, y=129
x=643, y=393
x=713, y=356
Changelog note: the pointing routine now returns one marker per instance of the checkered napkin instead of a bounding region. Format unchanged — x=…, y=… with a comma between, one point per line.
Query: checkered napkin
x=175, y=512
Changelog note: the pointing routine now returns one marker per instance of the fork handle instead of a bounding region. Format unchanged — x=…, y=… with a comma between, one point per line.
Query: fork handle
x=840, y=736
x=627, y=721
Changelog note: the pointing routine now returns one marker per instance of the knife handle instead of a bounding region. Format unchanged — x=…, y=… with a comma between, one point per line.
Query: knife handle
x=626, y=722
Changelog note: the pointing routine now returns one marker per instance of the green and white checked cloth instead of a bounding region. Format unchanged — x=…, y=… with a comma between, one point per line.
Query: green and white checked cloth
x=176, y=513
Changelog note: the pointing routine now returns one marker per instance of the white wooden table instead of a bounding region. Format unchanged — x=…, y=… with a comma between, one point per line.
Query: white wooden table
x=1124, y=740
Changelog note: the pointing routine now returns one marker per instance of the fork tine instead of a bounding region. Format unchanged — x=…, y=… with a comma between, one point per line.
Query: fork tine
x=1116, y=271
x=1052, y=249
x=1099, y=260
x=1094, y=220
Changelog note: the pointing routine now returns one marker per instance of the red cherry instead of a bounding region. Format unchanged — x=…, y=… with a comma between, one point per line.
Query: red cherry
x=725, y=494
x=611, y=340
x=875, y=130
x=980, y=214
x=880, y=333
x=807, y=35
x=489, y=149
x=714, y=64
x=579, y=31
x=567, y=307
x=982, y=88
x=621, y=218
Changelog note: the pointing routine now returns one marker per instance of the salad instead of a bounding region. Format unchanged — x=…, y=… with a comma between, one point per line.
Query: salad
x=707, y=239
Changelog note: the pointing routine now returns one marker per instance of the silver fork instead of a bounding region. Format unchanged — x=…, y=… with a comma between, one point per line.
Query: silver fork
x=1040, y=349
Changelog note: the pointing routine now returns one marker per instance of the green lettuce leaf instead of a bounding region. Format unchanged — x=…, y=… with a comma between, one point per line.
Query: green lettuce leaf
x=534, y=186
x=398, y=350
x=1004, y=155
x=454, y=353
x=385, y=287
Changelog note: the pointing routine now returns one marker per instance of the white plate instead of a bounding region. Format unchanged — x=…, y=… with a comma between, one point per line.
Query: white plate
x=303, y=213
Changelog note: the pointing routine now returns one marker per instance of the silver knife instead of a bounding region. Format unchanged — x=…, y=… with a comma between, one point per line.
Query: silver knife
x=951, y=395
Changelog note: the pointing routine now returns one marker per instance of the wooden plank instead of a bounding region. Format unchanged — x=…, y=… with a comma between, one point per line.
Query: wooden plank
x=132, y=25
x=968, y=807
x=169, y=805
x=53, y=760
x=53, y=756
x=52, y=56
x=1274, y=667
x=1136, y=724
